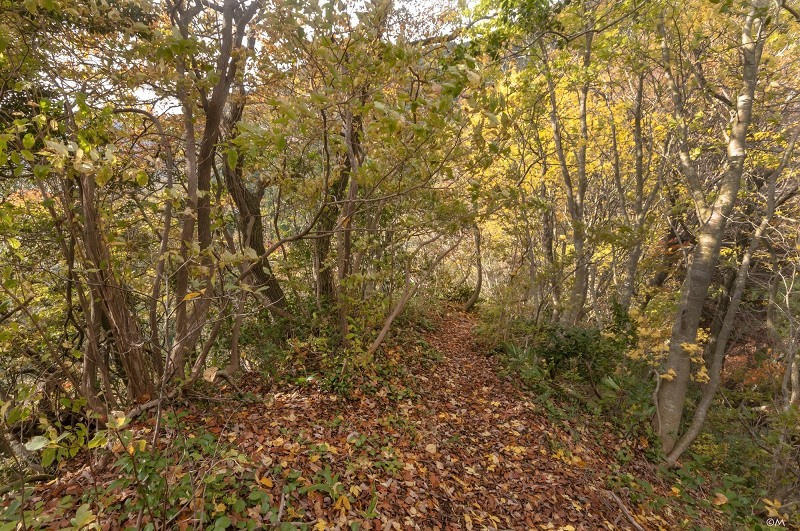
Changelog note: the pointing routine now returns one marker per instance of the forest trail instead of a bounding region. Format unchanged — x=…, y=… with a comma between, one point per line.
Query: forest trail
x=449, y=445
x=465, y=450
x=499, y=463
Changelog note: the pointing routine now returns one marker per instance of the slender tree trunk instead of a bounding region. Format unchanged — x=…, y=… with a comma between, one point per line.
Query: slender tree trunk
x=794, y=367
x=720, y=347
x=156, y=346
x=325, y=286
x=549, y=236
x=235, y=359
x=104, y=286
x=575, y=191
x=408, y=291
x=176, y=363
x=352, y=139
x=580, y=286
x=91, y=360
x=628, y=284
x=672, y=392
x=476, y=293
x=641, y=203
x=190, y=322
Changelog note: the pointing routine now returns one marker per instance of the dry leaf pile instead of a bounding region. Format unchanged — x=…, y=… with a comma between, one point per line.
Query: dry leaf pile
x=465, y=450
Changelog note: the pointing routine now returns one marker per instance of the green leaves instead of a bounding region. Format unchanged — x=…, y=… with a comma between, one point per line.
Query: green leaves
x=83, y=517
x=103, y=175
x=223, y=522
x=232, y=157
x=100, y=439
x=31, y=5
x=28, y=141
x=57, y=148
x=142, y=178
x=37, y=443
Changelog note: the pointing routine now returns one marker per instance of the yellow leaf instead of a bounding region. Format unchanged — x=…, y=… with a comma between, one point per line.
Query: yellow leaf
x=355, y=490
x=669, y=375
x=117, y=420
x=772, y=503
x=343, y=504
x=321, y=525
x=137, y=446
x=193, y=295
x=720, y=499
x=772, y=507
x=267, y=482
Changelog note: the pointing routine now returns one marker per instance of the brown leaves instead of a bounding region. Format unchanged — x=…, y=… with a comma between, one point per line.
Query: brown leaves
x=467, y=452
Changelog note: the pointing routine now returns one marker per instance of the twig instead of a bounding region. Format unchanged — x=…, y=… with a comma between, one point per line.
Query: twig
x=625, y=511
x=655, y=399
x=30, y=479
x=280, y=508
x=222, y=375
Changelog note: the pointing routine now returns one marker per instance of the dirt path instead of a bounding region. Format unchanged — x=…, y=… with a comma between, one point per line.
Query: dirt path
x=498, y=463
x=467, y=452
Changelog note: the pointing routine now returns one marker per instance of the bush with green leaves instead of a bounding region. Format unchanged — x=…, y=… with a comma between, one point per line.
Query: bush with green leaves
x=591, y=353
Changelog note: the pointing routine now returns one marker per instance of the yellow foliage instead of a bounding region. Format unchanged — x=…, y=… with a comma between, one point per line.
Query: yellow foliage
x=669, y=375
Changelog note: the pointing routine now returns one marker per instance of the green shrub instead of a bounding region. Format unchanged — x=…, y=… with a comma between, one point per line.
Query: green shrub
x=591, y=352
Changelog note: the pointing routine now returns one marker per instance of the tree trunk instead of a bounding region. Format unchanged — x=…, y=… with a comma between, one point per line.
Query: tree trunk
x=104, y=287
x=672, y=392
x=720, y=347
x=479, y=266
x=575, y=191
x=251, y=227
x=628, y=284
x=232, y=54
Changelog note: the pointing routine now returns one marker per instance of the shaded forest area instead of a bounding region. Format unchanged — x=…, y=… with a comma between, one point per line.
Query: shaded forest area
x=516, y=264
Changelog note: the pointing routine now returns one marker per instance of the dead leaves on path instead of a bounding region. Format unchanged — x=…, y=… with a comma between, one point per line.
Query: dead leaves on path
x=465, y=450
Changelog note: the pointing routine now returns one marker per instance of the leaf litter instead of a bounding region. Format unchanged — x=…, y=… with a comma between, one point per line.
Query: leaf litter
x=463, y=448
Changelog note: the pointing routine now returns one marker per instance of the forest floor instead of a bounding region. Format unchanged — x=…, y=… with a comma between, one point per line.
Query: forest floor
x=450, y=445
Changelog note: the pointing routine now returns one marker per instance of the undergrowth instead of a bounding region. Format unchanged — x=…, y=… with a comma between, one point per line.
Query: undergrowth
x=194, y=475
x=581, y=374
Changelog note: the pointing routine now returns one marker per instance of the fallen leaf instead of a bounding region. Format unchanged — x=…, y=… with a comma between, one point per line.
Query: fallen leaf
x=720, y=499
x=210, y=374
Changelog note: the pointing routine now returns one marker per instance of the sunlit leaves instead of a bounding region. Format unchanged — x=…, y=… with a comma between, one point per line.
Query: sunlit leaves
x=37, y=443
